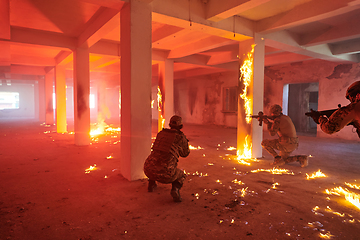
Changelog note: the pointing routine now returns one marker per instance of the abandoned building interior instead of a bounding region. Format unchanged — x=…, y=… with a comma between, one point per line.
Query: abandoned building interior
x=68, y=67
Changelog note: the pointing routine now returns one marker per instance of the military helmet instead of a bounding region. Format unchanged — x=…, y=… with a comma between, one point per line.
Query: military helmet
x=176, y=122
x=352, y=90
x=275, y=109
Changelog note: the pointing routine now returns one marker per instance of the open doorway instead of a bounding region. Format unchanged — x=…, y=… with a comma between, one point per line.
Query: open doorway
x=299, y=99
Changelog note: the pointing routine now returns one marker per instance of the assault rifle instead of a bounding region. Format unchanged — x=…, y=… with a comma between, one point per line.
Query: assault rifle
x=261, y=117
x=315, y=115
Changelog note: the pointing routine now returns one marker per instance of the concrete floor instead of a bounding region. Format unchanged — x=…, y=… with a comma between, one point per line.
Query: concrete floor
x=46, y=194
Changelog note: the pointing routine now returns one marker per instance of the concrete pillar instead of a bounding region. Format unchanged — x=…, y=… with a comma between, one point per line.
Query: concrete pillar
x=60, y=92
x=255, y=91
x=135, y=88
x=258, y=93
x=5, y=57
x=166, y=84
x=5, y=19
x=81, y=97
x=41, y=100
x=49, y=112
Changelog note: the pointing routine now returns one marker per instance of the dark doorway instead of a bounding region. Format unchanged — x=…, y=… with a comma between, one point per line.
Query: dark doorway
x=301, y=98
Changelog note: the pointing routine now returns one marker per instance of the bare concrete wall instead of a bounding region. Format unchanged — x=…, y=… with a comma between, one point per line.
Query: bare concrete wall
x=333, y=79
x=199, y=99
x=27, y=102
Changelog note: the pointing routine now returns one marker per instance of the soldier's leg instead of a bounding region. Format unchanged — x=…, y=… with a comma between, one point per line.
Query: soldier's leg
x=280, y=160
x=152, y=185
x=302, y=159
x=270, y=145
x=177, y=184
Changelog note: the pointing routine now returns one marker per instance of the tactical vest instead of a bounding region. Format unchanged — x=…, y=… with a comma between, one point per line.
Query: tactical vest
x=165, y=142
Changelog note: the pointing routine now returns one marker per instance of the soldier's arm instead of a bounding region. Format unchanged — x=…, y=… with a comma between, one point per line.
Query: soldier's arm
x=338, y=120
x=273, y=127
x=185, y=150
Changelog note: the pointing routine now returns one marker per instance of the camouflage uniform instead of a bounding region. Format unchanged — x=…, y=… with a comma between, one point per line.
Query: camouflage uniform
x=341, y=117
x=286, y=143
x=161, y=164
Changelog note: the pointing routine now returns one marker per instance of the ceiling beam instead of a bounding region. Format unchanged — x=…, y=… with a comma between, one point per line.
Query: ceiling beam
x=177, y=13
x=115, y=4
x=312, y=11
x=289, y=42
x=346, y=47
x=32, y=60
x=108, y=48
x=166, y=32
x=324, y=52
x=27, y=70
x=283, y=58
x=199, y=46
x=103, y=21
x=217, y=10
x=44, y=38
x=223, y=57
x=159, y=55
x=63, y=58
x=343, y=32
x=197, y=59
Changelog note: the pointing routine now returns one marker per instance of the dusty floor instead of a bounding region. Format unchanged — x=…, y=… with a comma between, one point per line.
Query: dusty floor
x=46, y=194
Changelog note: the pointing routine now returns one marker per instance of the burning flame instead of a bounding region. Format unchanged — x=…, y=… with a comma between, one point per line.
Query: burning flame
x=336, y=213
x=246, y=74
x=351, y=197
x=237, y=182
x=231, y=148
x=246, y=154
x=195, y=148
x=101, y=127
x=352, y=186
x=274, y=171
x=246, y=71
x=160, y=103
x=152, y=103
x=326, y=235
x=317, y=174
x=91, y=168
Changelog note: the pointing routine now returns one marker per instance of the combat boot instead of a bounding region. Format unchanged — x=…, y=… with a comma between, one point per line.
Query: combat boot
x=303, y=159
x=278, y=161
x=176, y=195
x=175, y=191
x=152, y=185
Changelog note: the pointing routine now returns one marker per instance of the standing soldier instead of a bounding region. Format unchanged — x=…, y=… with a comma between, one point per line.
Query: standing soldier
x=161, y=164
x=287, y=141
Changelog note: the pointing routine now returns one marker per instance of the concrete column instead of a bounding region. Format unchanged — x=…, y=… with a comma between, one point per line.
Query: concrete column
x=258, y=93
x=255, y=91
x=49, y=112
x=81, y=97
x=135, y=88
x=166, y=84
x=41, y=100
x=5, y=19
x=60, y=92
x=5, y=58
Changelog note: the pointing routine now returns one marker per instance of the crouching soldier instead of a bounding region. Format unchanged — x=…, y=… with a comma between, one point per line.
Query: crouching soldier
x=287, y=142
x=161, y=164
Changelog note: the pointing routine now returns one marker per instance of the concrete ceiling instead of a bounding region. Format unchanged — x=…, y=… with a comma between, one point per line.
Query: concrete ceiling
x=201, y=36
